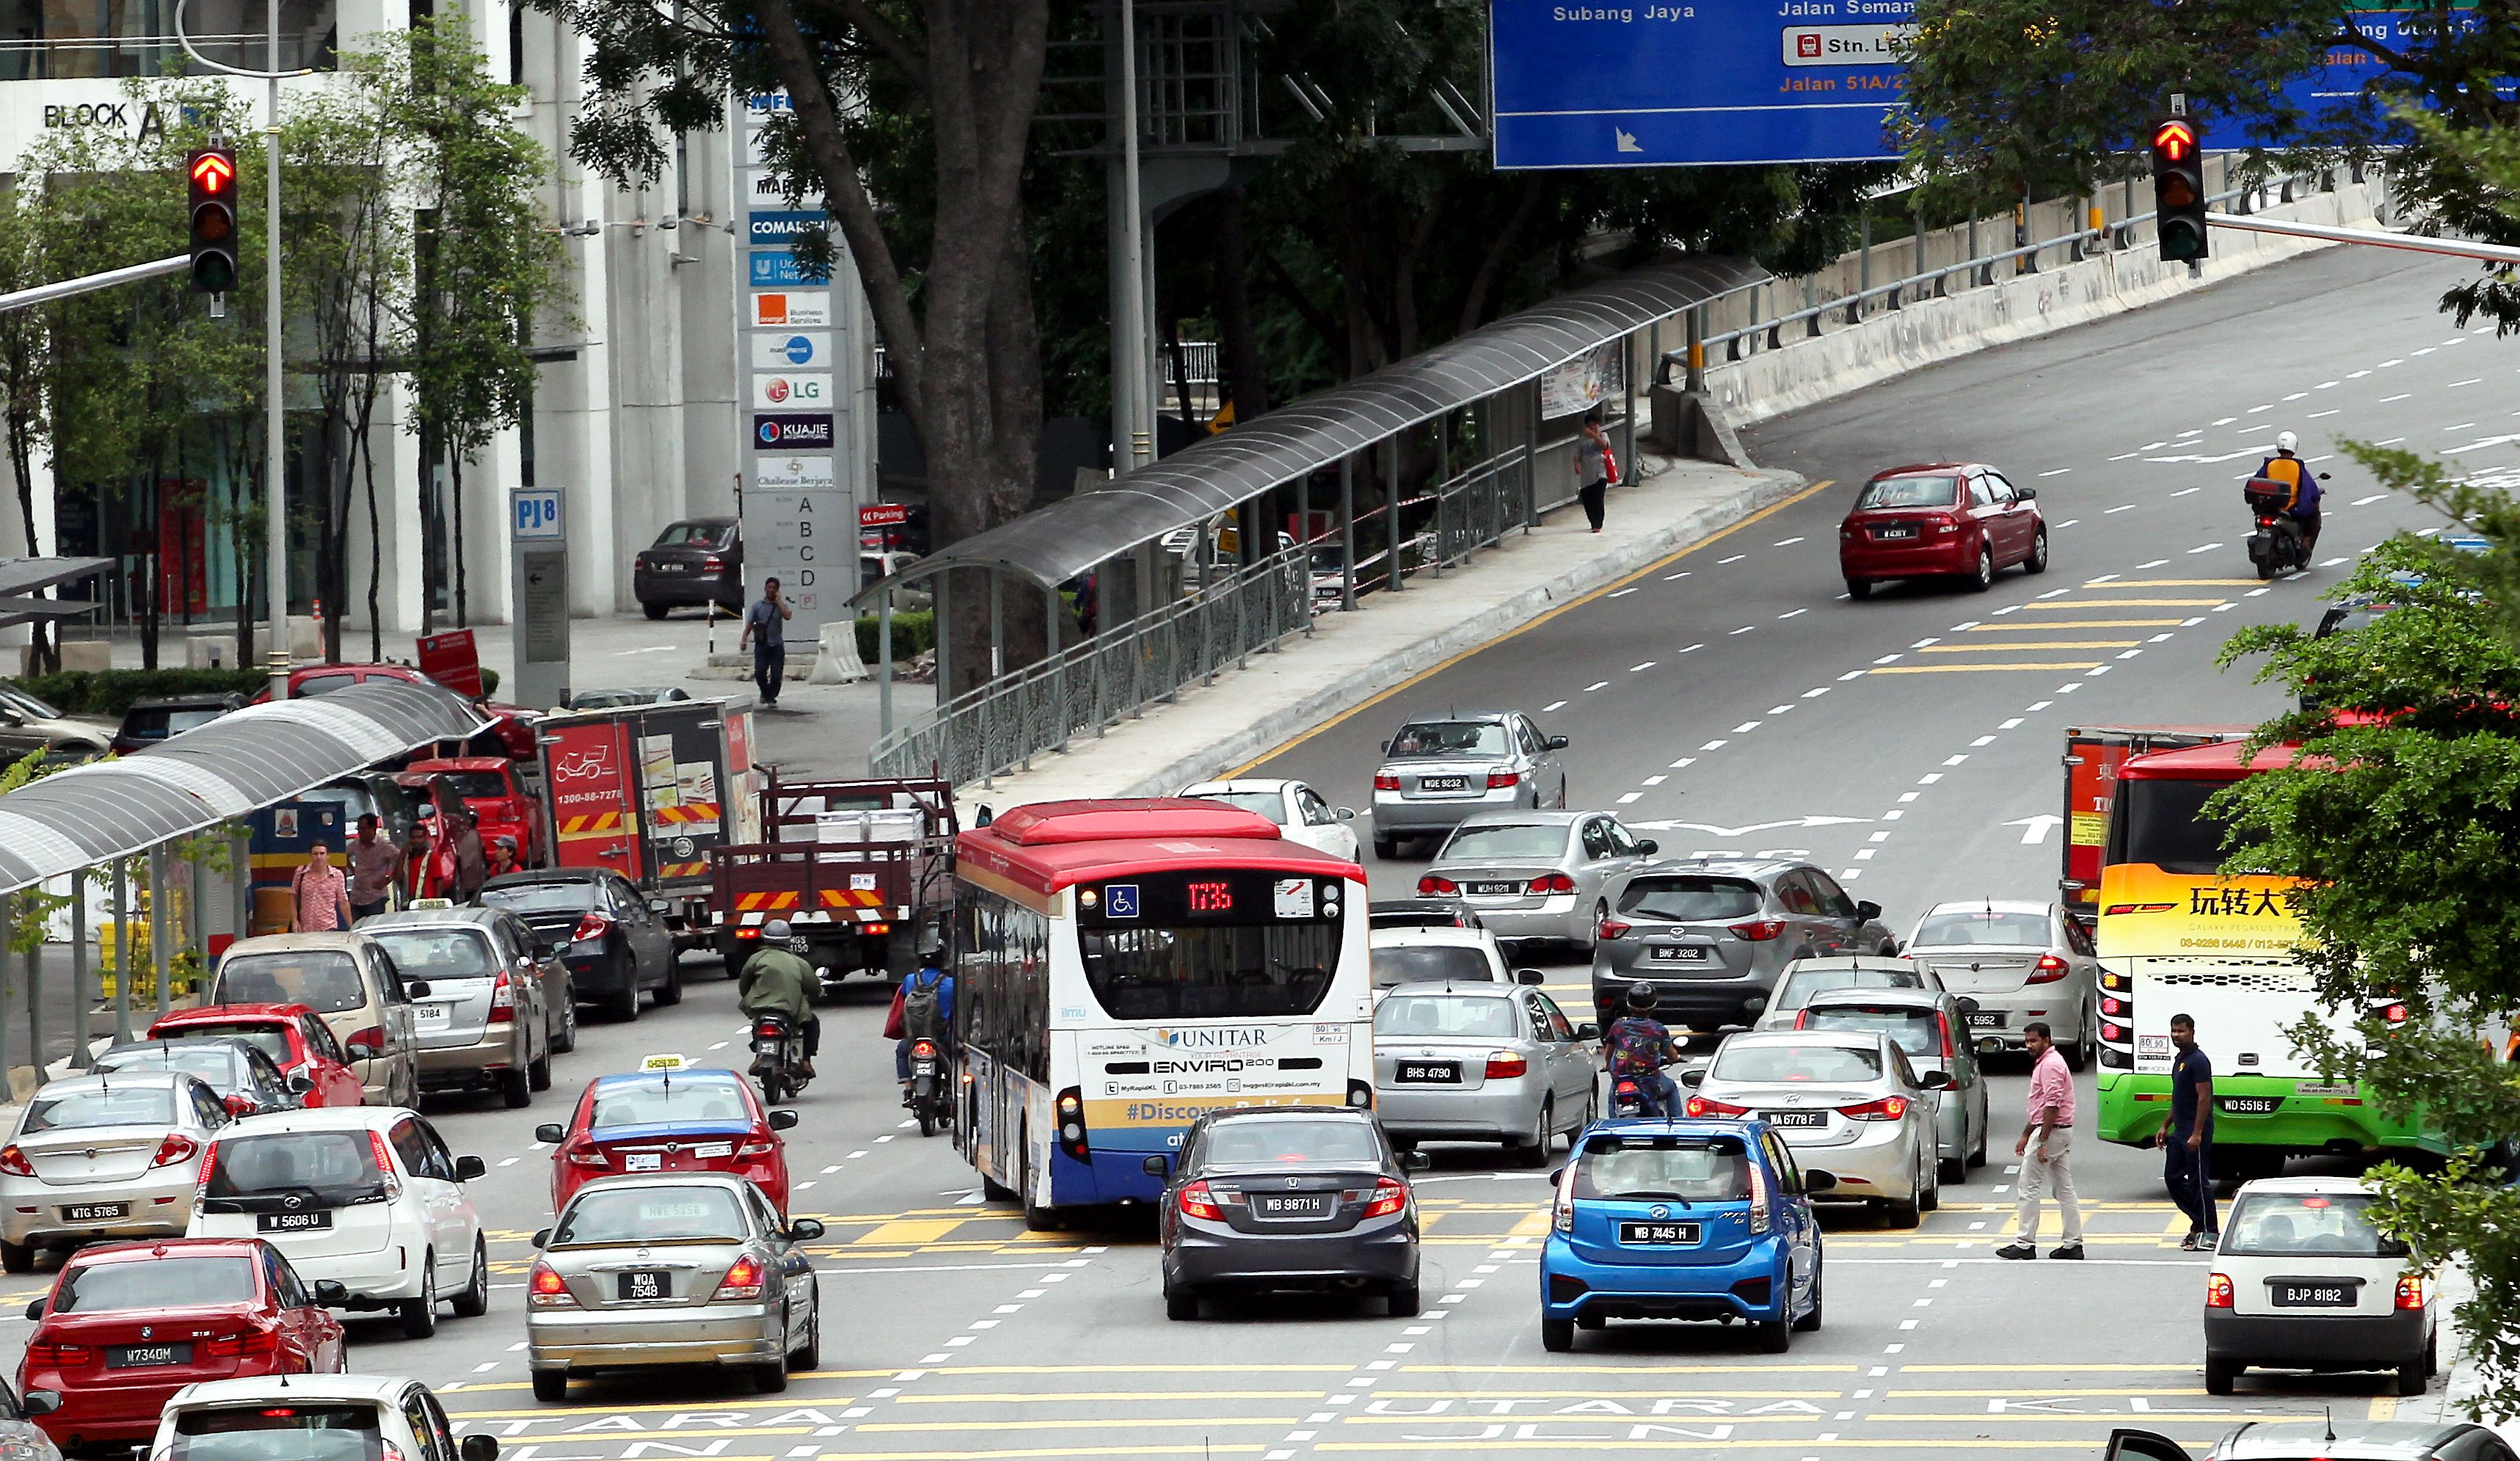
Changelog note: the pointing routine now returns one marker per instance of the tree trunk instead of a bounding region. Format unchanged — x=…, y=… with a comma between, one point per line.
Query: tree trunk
x=151, y=573
x=41, y=654
x=454, y=492
x=1243, y=363
x=376, y=530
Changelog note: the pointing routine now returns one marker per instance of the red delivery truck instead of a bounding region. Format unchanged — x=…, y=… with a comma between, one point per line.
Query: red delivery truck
x=652, y=791
x=2093, y=756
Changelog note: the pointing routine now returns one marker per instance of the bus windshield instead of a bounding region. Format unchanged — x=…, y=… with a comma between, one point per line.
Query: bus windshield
x=1211, y=971
x=2163, y=823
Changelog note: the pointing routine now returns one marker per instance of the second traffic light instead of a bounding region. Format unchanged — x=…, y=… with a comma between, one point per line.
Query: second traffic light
x=211, y=172
x=2178, y=189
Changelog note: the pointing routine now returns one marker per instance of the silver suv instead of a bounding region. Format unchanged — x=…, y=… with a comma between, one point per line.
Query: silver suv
x=1712, y=936
x=493, y=1014
x=1441, y=769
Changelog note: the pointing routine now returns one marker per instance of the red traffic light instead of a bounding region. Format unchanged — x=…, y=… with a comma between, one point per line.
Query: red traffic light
x=2174, y=142
x=213, y=172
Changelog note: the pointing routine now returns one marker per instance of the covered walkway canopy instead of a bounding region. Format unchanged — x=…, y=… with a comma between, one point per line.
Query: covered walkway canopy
x=235, y=764
x=1062, y=540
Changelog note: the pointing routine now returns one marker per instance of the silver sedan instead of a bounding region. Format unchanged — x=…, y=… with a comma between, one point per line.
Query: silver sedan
x=1487, y=1062
x=2020, y=961
x=1537, y=875
x=1441, y=769
x=690, y=1268
x=1847, y=1101
x=1931, y=1027
x=104, y=1157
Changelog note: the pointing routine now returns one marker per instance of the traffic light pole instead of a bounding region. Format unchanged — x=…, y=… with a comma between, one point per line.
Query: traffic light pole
x=2376, y=237
x=87, y=282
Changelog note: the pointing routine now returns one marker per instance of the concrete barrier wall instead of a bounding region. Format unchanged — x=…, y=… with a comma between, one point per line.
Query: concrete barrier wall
x=1848, y=357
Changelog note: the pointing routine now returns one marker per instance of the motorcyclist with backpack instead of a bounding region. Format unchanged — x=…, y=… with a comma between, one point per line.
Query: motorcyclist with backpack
x=2286, y=468
x=1638, y=1046
x=923, y=1009
x=778, y=981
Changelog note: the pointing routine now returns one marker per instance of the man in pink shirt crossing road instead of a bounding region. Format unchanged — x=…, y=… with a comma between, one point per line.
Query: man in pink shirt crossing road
x=2045, y=1150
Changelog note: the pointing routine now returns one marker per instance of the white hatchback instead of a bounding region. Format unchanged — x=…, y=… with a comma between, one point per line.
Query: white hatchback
x=337, y=1417
x=2303, y=1282
x=366, y=1196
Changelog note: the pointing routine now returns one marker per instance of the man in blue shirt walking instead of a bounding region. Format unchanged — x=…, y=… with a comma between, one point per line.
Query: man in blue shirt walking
x=2187, y=1141
x=765, y=630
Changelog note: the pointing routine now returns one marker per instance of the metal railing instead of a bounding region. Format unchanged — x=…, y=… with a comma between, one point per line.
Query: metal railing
x=1477, y=507
x=1001, y=726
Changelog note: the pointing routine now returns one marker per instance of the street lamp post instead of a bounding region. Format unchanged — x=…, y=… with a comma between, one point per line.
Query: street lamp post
x=275, y=446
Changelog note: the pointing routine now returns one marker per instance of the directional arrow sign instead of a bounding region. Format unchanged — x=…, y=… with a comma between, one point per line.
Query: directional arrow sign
x=2034, y=829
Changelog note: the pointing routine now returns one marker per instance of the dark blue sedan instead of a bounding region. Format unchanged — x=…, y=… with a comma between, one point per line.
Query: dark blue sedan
x=1683, y=1220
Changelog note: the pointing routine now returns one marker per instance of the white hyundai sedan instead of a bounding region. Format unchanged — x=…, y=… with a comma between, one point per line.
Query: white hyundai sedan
x=1303, y=815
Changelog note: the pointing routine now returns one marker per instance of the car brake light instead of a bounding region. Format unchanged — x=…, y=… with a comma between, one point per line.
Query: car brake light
x=503, y=1001
x=546, y=1289
x=1612, y=928
x=237, y=1103
x=1504, y=1065
x=2411, y=1291
x=365, y=1044
x=759, y=1148
x=12, y=1161
x=590, y=928
x=923, y=1049
x=1431, y=886
x=1552, y=882
x=1802, y=1019
x=384, y=1164
x=1199, y=1200
x=178, y=1147
x=1709, y=1106
x=1888, y=1108
x=1761, y=1210
x=1562, y=1214
x=1945, y=524
x=1390, y=1197
x=588, y=1154
x=2048, y=970
x=712, y=565
x=250, y=1344
x=1944, y=1022
x=1498, y=781
x=1758, y=930
x=201, y=1184
x=59, y=1356
x=1385, y=781
x=742, y=1279
x=2218, y=1291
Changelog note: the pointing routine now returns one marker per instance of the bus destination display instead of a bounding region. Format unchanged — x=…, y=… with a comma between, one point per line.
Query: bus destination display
x=1230, y=896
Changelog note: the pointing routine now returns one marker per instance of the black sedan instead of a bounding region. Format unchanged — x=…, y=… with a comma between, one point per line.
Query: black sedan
x=1276, y=1197
x=244, y=1076
x=610, y=937
x=696, y=561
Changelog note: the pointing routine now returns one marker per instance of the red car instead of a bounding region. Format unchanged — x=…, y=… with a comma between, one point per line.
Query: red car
x=1947, y=517
x=514, y=726
x=293, y=1036
x=490, y=791
x=665, y=1117
x=129, y=1325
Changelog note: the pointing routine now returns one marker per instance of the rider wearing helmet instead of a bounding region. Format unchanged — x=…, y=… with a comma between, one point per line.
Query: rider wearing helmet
x=1640, y=1047
x=2287, y=467
x=923, y=1009
x=776, y=981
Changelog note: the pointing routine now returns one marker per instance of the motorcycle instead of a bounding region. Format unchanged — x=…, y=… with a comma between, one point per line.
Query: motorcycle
x=778, y=1057
x=928, y=1087
x=2278, y=546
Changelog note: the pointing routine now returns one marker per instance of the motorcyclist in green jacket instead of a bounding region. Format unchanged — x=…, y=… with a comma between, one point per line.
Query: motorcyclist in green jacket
x=776, y=981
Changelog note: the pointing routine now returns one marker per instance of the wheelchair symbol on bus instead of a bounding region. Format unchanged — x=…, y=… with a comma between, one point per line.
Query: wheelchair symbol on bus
x=1120, y=900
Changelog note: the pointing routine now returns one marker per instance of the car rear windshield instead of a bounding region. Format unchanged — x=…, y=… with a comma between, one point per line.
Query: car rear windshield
x=660, y=1101
x=650, y=1214
x=1420, y=739
x=214, y=1064
x=1268, y=804
x=335, y=1166
x=692, y=535
x=1797, y=1062
x=1803, y=985
x=98, y=1106
x=1242, y=1144
x=1910, y=492
x=1690, y=899
x=324, y=980
x=1424, y=962
x=532, y=898
x=1918, y=1032
x=157, y=722
x=324, y=1431
x=270, y=1039
x=2266, y=1225
x=157, y=1283
x=477, y=786
x=1474, y=1016
x=1663, y=1169
x=437, y=952
x=1224, y=972
x=322, y=684
x=1521, y=839
x=2017, y=930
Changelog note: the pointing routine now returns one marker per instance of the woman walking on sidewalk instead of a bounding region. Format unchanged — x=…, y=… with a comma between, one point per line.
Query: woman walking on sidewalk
x=1593, y=467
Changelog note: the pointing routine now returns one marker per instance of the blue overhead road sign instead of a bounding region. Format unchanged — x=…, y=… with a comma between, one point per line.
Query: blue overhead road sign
x=1668, y=84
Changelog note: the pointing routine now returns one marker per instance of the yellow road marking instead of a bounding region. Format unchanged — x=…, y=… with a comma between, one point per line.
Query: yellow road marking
x=2110, y=603
x=1692, y=1419
x=1034, y=1396
x=2075, y=624
x=1520, y=1394
x=2384, y=1407
x=1675, y=1369
x=2064, y=1369
x=1080, y=1422
x=2020, y=1393
x=928, y=1231
x=1972, y=669
x=1843, y=1443
x=555, y=1412
x=2167, y=583
x=2009, y=646
x=1603, y=591
x=1062, y=1450
x=1151, y=1369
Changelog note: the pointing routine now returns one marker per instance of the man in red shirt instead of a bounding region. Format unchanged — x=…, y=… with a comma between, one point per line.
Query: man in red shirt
x=2046, y=1149
x=320, y=895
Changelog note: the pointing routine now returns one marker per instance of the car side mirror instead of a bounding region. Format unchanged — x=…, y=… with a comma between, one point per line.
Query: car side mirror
x=478, y=1446
x=360, y=1050
x=417, y=988
x=2025, y=493
x=1990, y=1048
x=1935, y=1079
x=1898, y=947
x=1416, y=1162
x=237, y=1103
x=542, y=1237
x=1386, y=749
x=2142, y=1446
x=468, y=1167
x=332, y=1293
x=1868, y=910
x=1969, y=1007
x=1345, y=814
x=1646, y=847
x=1818, y=1181
x=782, y=1119
x=299, y=1082
x=1694, y=1078
x=805, y=1230
x=658, y=906
x=1588, y=1031
x=41, y=1401
x=551, y=1134
x=34, y=1308
x=1556, y=742
x=1529, y=976
x=1156, y=1168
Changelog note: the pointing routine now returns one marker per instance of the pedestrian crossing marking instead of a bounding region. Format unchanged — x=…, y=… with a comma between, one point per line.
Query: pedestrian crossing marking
x=1971, y=669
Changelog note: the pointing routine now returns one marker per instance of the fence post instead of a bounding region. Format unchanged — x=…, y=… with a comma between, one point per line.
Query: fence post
x=35, y=991
x=1443, y=488
x=1863, y=266
x=121, y=950
x=883, y=663
x=1531, y=453
x=11, y=905
x=157, y=921
x=1628, y=388
x=1348, y=533
x=79, y=985
x=1054, y=608
x=1391, y=502
x=1696, y=379
x=942, y=609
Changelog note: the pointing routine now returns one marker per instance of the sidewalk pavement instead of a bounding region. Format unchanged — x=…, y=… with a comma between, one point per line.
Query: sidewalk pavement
x=1351, y=658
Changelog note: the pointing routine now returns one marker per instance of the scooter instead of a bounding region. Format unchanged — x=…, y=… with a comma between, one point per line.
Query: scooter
x=928, y=1087
x=778, y=1057
x=2278, y=545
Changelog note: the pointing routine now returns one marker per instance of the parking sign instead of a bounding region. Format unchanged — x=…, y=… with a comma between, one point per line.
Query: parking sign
x=534, y=513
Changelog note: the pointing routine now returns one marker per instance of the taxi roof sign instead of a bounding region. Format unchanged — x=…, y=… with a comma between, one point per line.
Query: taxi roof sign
x=663, y=1063
x=433, y=903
